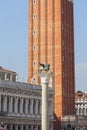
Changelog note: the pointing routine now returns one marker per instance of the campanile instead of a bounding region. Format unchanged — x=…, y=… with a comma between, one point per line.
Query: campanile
x=51, y=40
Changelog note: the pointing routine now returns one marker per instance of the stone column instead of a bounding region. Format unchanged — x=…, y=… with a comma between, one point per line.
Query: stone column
x=36, y=127
x=16, y=104
x=5, y=76
x=16, y=127
x=10, y=104
x=31, y=127
x=36, y=109
x=85, y=111
x=31, y=106
x=26, y=106
x=11, y=77
x=45, y=78
x=26, y=127
x=21, y=106
x=11, y=127
x=5, y=104
x=21, y=127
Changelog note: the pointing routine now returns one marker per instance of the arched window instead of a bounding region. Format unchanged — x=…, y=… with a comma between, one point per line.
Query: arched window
x=80, y=111
x=83, y=111
x=69, y=127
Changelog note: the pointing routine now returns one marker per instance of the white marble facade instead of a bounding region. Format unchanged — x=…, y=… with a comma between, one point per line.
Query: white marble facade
x=81, y=103
x=20, y=106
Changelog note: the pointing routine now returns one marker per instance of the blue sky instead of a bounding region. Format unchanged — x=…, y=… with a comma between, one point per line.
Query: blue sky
x=14, y=38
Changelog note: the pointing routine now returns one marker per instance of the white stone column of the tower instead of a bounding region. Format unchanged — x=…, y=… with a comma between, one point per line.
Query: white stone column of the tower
x=45, y=78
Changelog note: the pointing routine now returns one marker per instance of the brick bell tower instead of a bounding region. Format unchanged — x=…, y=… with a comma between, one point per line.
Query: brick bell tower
x=51, y=40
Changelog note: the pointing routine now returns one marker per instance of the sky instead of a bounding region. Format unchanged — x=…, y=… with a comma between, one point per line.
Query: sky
x=14, y=39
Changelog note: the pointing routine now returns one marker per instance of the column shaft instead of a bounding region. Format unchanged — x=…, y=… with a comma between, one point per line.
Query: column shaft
x=5, y=104
x=21, y=106
x=16, y=104
x=45, y=115
x=10, y=104
x=26, y=106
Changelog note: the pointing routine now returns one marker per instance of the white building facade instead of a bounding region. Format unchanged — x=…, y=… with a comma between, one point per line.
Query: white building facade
x=81, y=110
x=20, y=106
x=81, y=103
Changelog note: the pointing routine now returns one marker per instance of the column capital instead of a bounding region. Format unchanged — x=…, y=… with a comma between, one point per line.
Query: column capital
x=45, y=76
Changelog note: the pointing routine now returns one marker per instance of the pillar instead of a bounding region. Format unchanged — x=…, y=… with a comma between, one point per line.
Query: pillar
x=16, y=104
x=10, y=104
x=45, y=78
x=16, y=127
x=21, y=127
x=36, y=109
x=26, y=127
x=11, y=127
x=21, y=106
x=5, y=76
x=31, y=106
x=5, y=104
x=11, y=77
x=26, y=106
